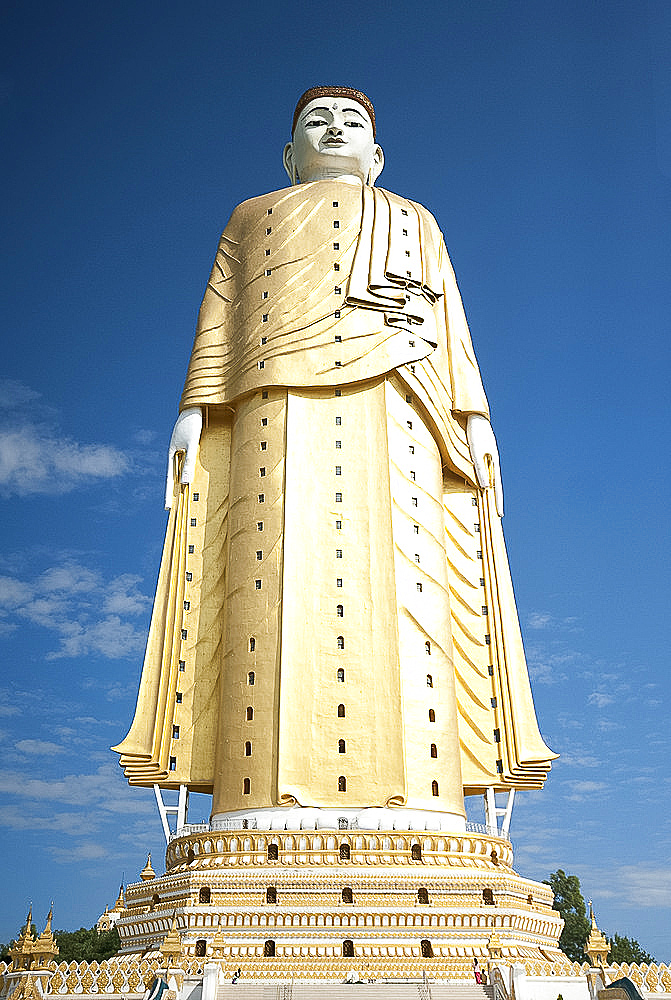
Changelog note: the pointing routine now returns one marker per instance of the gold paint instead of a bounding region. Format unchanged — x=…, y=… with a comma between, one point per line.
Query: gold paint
x=407, y=376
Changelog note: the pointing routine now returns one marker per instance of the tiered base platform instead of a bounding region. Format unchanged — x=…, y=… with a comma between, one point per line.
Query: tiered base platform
x=315, y=904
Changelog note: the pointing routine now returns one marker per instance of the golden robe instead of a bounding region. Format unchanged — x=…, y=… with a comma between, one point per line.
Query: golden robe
x=334, y=621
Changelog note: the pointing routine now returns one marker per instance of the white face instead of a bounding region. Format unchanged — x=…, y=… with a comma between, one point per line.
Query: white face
x=333, y=138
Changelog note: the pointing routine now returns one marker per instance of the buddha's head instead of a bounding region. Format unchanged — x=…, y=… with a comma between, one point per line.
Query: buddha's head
x=333, y=136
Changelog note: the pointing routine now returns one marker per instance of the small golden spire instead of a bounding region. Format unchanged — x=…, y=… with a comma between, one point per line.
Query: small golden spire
x=147, y=872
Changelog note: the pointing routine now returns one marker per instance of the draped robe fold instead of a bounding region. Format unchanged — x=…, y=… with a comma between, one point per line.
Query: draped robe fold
x=334, y=302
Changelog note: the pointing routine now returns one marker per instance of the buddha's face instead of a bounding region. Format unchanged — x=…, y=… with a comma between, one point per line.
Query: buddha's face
x=333, y=137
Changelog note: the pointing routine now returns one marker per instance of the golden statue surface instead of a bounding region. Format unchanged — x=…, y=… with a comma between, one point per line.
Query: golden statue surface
x=334, y=625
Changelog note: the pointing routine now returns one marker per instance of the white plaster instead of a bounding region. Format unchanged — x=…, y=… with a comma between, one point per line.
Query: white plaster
x=308, y=818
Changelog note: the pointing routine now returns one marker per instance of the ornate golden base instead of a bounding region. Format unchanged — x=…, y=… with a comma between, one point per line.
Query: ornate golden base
x=312, y=904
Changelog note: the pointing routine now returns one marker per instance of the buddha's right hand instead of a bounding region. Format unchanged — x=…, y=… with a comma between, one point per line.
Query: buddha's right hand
x=185, y=438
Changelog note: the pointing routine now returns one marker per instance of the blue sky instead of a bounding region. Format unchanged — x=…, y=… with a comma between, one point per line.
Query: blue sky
x=539, y=134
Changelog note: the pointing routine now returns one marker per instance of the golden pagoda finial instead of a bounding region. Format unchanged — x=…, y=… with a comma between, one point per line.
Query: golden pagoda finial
x=29, y=919
x=147, y=872
x=120, y=900
x=50, y=917
x=171, y=946
x=597, y=945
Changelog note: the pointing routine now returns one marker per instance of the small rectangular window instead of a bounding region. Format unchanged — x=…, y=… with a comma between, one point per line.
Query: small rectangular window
x=338, y=444
x=264, y=445
x=338, y=421
x=175, y=732
x=173, y=764
x=412, y=369
x=192, y=549
x=411, y=449
x=338, y=525
x=335, y=204
x=482, y=581
x=264, y=340
x=488, y=640
x=414, y=501
x=262, y=471
x=257, y=584
x=419, y=587
x=338, y=392
x=264, y=421
x=338, y=364
x=178, y=697
x=267, y=253
x=196, y=497
x=338, y=470
x=193, y=522
x=189, y=577
x=415, y=528
x=269, y=230
x=264, y=317
x=268, y=272
x=339, y=582
x=187, y=605
x=474, y=501
x=407, y=253
x=262, y=498
x=484, y=609
x=497, y=735
x=409, y=423
x=338, y=497
x=490, y=670
x=493, y=701
x=259, y=525
x=336, y=246
x=412, y=475
x=408, y=398
x=262, y=364
x=336, y=315
x=259, y=554
x=184, y=633
x=476, y=527
x=338, y=338
x=404, y=211
x=479, y=553
x=338, y=553
x=411, y=343
x=182, y=665
x=264, y=394
x=336, y=224
x=336, y=267
x=499, y=766
x=417, y=557
x=405, y=232
x=337, y=290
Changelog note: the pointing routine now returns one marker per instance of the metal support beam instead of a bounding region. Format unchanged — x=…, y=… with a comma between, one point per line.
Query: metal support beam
x=492, y=811
x=180, y=810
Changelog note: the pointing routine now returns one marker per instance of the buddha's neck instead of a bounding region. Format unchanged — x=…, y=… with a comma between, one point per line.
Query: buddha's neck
x=332, y=174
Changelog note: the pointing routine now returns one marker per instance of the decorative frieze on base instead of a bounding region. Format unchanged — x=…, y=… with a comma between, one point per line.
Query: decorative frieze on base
x=305, y=902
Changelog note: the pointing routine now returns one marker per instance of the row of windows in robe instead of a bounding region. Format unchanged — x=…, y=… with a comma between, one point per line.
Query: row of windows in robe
x=347, y=948
x=346, y=895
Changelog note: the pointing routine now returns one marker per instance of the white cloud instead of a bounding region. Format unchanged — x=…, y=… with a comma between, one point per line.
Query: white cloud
x=541, y=620
x=36, y=458
x=87, y=612
x=641, y=885
x=38, y=747
x=600, y=699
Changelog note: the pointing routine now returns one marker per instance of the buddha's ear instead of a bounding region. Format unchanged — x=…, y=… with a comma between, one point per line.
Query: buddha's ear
x=289, y=164
x=377, y=165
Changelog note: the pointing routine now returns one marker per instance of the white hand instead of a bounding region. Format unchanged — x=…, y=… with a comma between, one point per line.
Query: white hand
x=185, y=437
x=485, y=456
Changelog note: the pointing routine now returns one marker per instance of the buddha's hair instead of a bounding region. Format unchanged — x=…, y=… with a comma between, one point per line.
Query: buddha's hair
x=314, y=92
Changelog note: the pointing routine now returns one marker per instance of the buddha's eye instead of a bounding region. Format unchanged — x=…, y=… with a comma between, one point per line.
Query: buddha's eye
x=354, y=124
x=313, y=122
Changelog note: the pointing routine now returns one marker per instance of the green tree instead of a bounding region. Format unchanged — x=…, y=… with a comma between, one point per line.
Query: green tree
x=626, y=949
x=86, y=945
x=571, y=905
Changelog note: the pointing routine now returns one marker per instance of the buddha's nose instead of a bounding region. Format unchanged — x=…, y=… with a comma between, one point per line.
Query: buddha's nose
x=334, y=129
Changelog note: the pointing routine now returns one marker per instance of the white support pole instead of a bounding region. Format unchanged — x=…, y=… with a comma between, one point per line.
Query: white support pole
x=180, y=810
x=493, y=812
